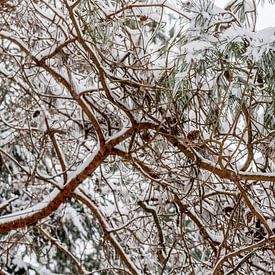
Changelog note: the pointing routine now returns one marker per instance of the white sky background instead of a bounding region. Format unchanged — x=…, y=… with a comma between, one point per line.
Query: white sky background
x=266, y=13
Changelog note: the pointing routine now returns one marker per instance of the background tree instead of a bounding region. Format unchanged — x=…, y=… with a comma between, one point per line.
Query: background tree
x=137, y=137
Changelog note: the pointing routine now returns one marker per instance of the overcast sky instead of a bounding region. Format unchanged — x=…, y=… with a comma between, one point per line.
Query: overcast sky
x=266, y=14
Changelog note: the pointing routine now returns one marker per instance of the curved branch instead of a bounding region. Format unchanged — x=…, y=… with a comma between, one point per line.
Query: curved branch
x=260, y=244
x=59, y=195
x=61, y=248
x=50, y=204
x=61, y=79
x=84, y=197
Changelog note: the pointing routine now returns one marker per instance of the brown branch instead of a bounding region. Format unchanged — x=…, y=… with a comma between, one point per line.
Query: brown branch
x=253, y=209
x=260, y=244
x=57, y=151
x=250, y=154
x=214, y=168
x=85, y=198
x=184, y=209
x=24, y=218
x=61, y=248
x=61, y=80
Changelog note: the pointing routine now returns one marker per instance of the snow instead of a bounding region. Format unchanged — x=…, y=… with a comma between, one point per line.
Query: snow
x=260, y=42
x=48, y=51
x=14, y=39
x=18, y=261
x=30, y=211
x=86, y=162
x=50, y=197
x=4, y=204
x=194, y=46
x=120, y=133
x=265, y=174
x=72, y=215
x=117, y=195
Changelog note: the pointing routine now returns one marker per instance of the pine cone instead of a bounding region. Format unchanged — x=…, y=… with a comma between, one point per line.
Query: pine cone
x=193, y=135
x=228, y=75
